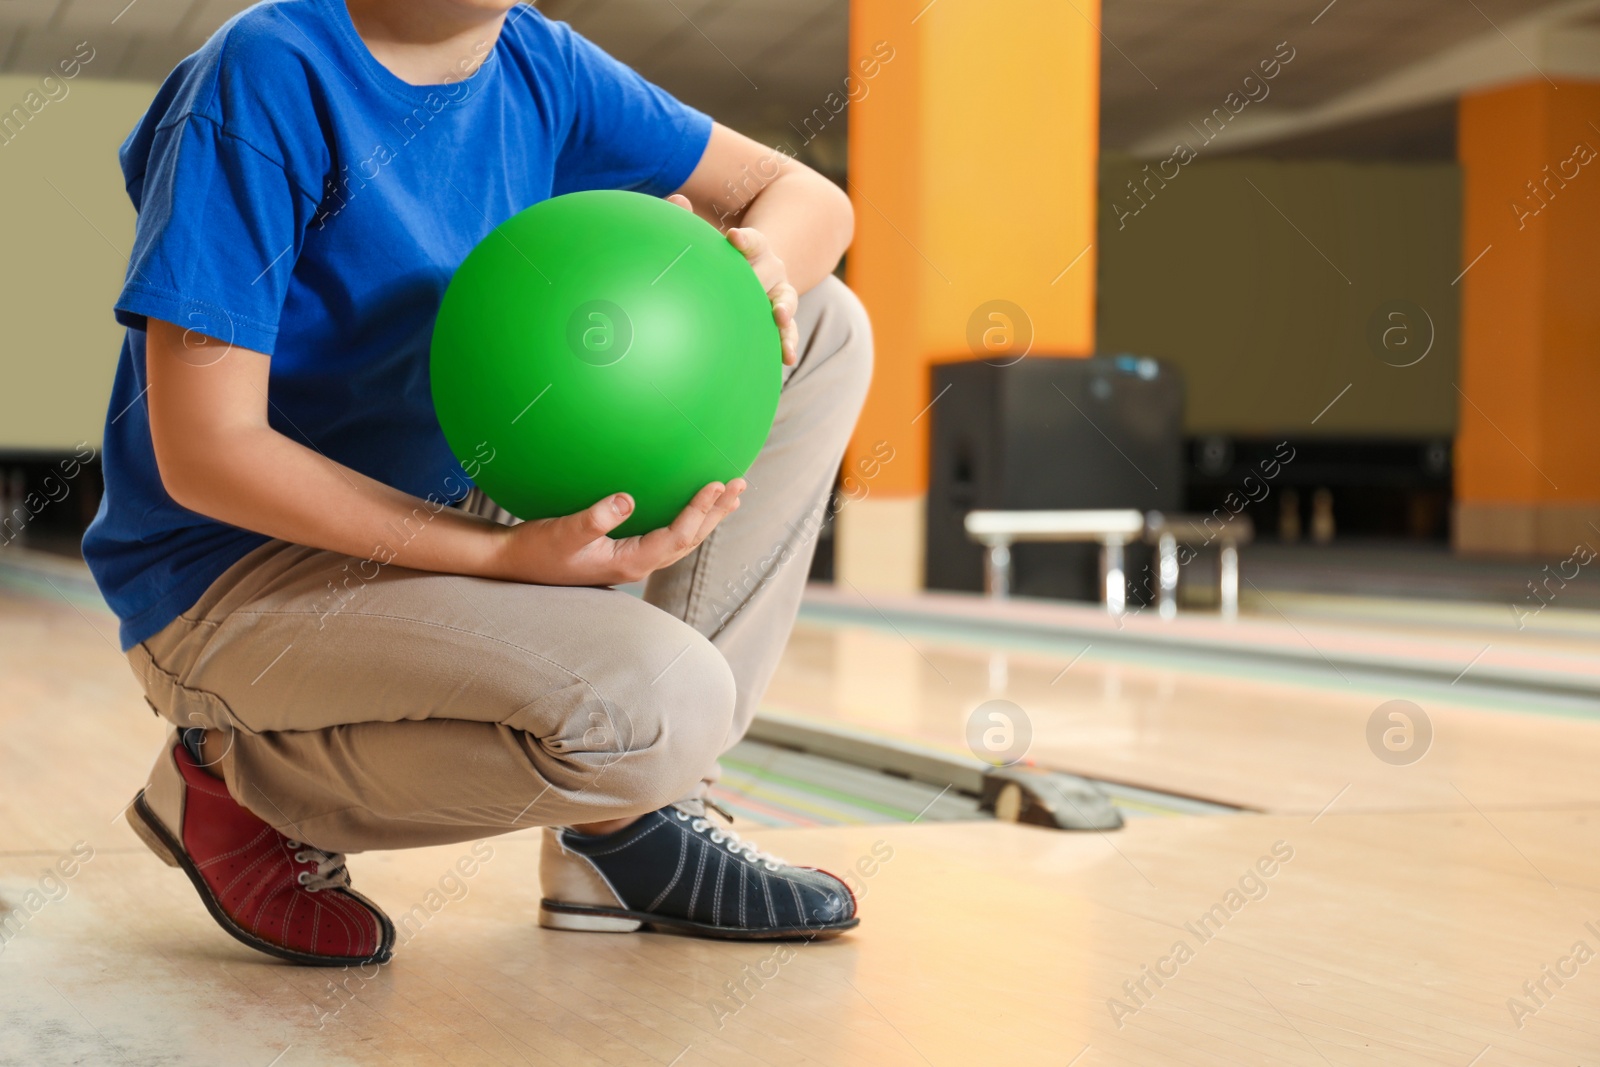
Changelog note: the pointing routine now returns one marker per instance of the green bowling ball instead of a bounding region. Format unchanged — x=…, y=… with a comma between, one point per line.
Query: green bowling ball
x=604, y=342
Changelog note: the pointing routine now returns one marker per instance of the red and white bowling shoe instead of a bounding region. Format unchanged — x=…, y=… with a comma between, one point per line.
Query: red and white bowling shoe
x=280, y=896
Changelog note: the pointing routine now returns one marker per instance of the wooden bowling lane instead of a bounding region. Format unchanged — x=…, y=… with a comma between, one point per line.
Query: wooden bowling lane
x=1354, y=939
x=72, y=722
x=1552, y=650
x=1401, y=929
x=1266, y=737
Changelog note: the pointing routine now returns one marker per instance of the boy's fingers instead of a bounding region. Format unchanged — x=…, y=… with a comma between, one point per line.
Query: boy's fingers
x=783, y=310
x=791, y=344
x=599, y=519
x=635, y=557
x=726, y=505
x=673, y=541
x=753, y=245
x=685, y=529
x=752, y=242
x=681, y=200
x=785, y=301
x=785, y=307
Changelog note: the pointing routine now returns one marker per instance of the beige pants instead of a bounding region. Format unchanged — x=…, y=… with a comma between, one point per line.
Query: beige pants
x=368, y=707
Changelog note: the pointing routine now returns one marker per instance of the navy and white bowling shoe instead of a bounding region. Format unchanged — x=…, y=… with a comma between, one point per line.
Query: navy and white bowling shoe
x=677, y=871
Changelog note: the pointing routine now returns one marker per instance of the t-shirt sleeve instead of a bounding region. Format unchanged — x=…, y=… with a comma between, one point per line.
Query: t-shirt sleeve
x=220, y=227
x=626, y=133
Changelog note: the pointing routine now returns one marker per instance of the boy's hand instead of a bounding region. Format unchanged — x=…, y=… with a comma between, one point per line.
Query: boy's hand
x=774, y=279
x=574, y=549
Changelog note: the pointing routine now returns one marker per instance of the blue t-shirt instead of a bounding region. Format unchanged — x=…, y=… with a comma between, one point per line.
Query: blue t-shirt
x=296, y=198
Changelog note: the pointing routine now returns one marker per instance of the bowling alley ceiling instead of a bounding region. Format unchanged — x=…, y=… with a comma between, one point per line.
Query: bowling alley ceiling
x=763, y=65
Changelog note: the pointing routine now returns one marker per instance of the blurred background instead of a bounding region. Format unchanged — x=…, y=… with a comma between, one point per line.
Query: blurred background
x=1359, y=234
x=1312, y=277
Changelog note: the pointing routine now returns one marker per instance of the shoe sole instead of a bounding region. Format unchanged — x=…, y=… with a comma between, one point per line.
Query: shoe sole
x=555, y=915
x=160, y=841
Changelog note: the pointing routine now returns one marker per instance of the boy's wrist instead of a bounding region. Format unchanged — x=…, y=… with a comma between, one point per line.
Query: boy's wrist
x=492, y=555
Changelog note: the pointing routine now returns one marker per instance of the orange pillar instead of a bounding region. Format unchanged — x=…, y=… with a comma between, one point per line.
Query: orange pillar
x=1528, y=453
x=973, y=159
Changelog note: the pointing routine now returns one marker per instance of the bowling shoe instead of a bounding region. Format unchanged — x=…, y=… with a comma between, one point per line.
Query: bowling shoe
x=677, y=871
x=277, y=895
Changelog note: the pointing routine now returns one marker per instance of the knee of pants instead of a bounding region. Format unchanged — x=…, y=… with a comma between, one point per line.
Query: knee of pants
x=680, y=724
x=844, y=319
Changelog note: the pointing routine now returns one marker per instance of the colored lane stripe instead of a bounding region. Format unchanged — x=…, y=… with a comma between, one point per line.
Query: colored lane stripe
x=903, y=814
x=819, y=802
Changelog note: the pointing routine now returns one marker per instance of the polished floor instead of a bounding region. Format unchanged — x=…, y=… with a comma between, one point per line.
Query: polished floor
x=1370, y=908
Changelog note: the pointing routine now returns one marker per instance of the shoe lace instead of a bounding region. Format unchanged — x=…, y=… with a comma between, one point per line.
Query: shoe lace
x=722, y=835
x=330, y=871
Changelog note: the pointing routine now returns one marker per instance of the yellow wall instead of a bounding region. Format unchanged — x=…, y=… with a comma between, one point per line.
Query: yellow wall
x=972, y=169
x=62, y=259
x=1210, y=276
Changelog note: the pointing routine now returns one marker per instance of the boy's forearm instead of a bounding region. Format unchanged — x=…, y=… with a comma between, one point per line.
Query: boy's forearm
x=806, y=219
x=808, y=222
x=218, y=455
x=270, y=484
